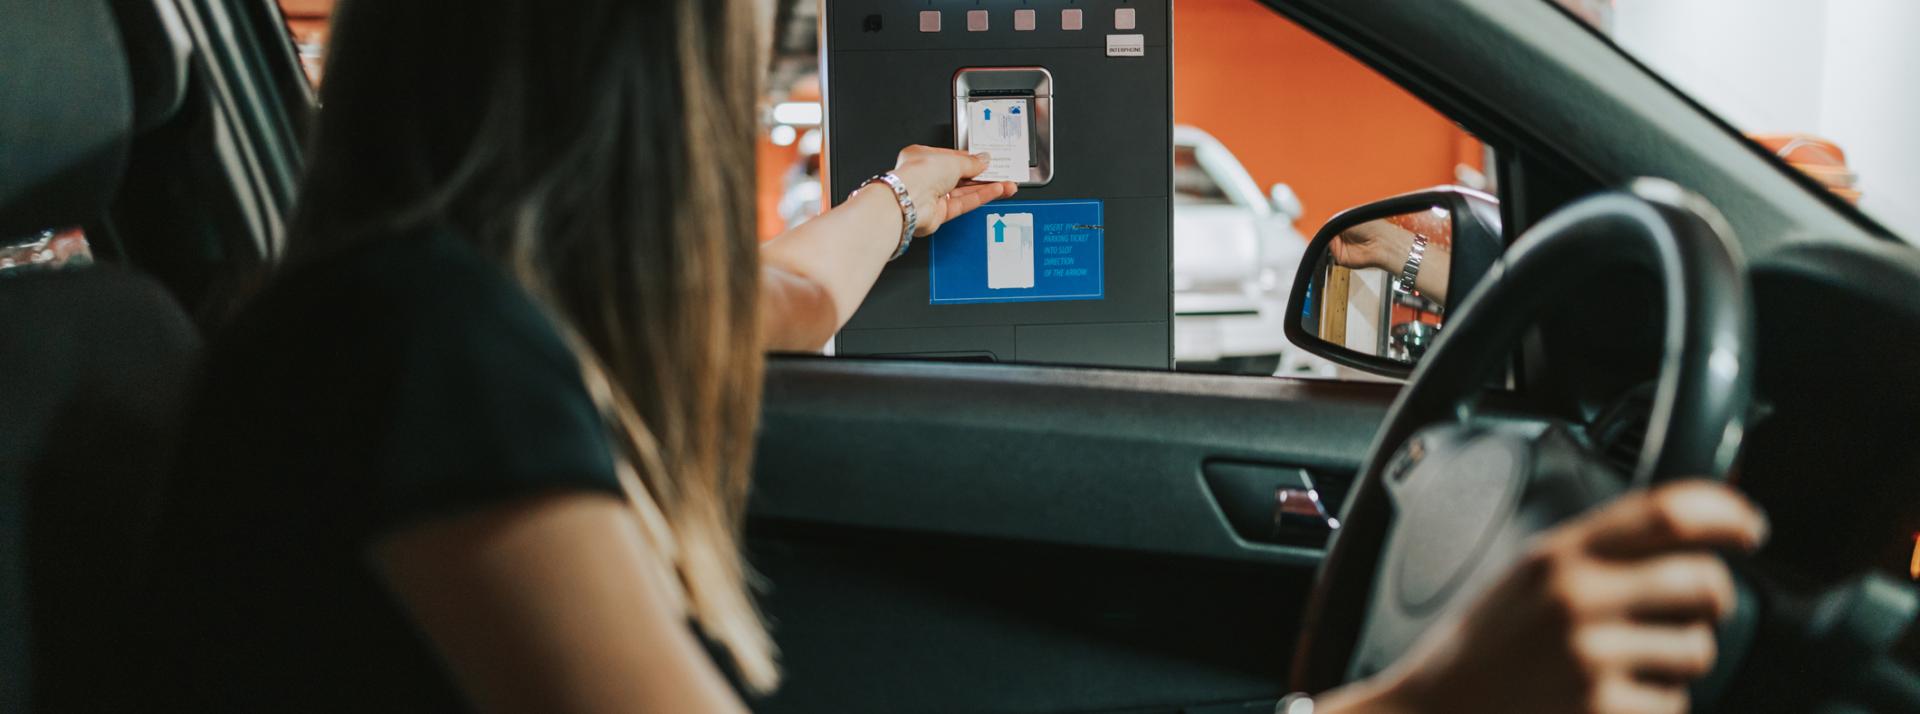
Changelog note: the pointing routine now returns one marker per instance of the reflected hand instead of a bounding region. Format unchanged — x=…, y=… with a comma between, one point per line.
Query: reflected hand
x=1612, y=612
x=937, y=182
x=1374, y=244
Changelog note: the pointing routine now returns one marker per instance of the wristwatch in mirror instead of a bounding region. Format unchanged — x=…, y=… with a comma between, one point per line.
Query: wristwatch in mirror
x=1411, y=271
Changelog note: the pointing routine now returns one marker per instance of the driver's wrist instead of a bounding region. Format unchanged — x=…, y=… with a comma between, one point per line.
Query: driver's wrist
x=882, y=202
x=1395, y=246
x=910, y=175
x=895, y=190
x=1386, y=261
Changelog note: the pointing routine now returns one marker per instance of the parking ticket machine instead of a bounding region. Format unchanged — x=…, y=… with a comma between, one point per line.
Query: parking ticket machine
x=1073, y=100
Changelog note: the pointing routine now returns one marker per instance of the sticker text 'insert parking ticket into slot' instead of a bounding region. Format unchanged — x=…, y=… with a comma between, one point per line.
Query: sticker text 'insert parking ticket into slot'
x=1020, y=251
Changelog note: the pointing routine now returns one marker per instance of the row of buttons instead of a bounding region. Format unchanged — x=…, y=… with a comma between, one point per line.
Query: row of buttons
x=1023, y=20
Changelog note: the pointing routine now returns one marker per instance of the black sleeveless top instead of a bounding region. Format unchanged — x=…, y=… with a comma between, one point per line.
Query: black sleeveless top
x=403, y=382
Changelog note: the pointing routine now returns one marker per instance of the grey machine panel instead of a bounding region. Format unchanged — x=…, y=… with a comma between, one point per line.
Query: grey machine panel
x=889, y=85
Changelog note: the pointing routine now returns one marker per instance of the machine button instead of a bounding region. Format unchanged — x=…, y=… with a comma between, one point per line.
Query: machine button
x=929, y=20
x=1123, y=19
x=1023, y=20
x=976, y=21
x=1071, y=19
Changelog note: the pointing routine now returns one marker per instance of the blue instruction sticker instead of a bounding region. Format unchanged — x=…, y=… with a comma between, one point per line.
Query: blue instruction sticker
x=1020, y=251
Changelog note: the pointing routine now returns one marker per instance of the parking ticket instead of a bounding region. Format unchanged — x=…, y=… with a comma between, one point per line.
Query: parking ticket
x=1000, y=127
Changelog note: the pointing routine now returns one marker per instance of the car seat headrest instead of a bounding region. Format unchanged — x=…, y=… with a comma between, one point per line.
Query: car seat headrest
x=67, y=115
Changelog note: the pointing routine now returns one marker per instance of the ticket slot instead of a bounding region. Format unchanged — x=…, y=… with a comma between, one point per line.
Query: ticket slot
x=1008, y=113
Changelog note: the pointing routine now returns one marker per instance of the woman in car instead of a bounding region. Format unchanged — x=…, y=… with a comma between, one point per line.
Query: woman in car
x=484, y=441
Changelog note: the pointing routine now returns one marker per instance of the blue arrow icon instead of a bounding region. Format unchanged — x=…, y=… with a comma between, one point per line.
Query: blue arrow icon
x=999, y=231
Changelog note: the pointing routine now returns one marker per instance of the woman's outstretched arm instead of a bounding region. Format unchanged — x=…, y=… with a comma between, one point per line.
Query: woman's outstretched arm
x=814, y=276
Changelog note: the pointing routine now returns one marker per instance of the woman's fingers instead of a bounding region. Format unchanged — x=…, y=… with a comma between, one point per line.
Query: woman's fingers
x=1625, y=695
x=1658, y=653
x=1675, y=654
x=967, y=198
x=961, y=200
x=1638, y=668
x=965, y=165
x=1684, y=586
x=1678, y=516
x=976, y=165
x=952, y=166
x=1644, y=669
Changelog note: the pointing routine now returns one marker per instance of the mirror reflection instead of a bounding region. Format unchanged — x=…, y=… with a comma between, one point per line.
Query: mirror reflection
x=1381, y=287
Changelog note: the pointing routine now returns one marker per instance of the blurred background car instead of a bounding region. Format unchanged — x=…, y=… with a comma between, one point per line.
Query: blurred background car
x=1234, y=250
x=801, y=193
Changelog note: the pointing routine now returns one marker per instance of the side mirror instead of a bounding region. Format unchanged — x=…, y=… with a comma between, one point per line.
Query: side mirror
x=1375, y=283
x=1286, y=201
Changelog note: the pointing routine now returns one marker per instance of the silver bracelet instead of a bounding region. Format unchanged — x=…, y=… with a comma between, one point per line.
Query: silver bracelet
x=1411, y=271
x=912, y=217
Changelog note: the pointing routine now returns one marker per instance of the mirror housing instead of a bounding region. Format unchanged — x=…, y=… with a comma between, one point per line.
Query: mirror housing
x=1459, y=236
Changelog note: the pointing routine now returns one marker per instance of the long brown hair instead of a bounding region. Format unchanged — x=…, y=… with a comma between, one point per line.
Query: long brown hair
x=601, y=152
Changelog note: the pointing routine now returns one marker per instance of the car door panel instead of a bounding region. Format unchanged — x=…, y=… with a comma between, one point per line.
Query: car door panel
x=972, y=537
x=885, y=621
x=1076, y=457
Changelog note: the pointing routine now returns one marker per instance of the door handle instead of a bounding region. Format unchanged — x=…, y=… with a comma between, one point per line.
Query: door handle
x=1300, y=509
x=1270, y=503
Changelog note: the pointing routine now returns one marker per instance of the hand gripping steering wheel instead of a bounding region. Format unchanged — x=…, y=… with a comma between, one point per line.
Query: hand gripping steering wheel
x=1446, y=497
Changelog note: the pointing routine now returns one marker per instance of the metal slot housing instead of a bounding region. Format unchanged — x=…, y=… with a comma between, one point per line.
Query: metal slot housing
x=1034, y=83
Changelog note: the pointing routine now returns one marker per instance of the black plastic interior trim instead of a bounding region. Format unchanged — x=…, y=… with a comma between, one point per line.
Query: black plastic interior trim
x=1071, y=456
x=876, y=620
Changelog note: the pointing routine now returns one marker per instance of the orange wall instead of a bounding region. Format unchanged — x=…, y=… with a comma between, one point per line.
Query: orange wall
x=773, y=164
x=1297, y=110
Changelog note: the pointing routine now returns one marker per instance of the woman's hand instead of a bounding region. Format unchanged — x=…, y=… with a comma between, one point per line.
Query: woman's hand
x=937, y=182
x=1374, y=244
x=1383, y=245
x=1613, y=612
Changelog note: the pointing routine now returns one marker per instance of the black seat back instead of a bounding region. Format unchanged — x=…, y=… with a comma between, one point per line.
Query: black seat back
x=94, y=366
x=95, y=374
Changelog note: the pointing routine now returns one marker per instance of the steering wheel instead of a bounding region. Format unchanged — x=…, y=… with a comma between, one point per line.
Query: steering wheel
x=1447, y=497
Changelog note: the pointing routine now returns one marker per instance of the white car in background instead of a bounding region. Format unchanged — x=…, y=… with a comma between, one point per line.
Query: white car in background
x=1235, y=251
